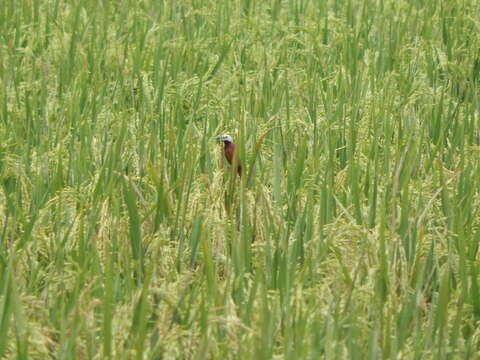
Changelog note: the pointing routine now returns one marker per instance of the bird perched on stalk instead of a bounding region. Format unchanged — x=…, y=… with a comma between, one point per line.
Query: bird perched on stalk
x=230, y=150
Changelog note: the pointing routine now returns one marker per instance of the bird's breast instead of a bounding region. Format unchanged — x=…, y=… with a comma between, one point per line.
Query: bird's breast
x=229, y=152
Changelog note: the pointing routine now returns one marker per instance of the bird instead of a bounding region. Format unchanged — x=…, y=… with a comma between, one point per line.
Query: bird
x=230, y=150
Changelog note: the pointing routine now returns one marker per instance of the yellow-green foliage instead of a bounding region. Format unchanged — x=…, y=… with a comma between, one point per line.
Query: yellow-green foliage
x=353, y=233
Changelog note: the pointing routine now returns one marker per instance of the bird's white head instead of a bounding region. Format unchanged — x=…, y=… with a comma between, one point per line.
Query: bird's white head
x=225, y=138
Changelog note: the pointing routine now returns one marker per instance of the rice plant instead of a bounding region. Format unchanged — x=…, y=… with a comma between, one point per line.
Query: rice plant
x=352, y=233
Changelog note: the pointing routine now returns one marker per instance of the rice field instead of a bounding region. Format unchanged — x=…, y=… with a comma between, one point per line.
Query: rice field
x=352, y=234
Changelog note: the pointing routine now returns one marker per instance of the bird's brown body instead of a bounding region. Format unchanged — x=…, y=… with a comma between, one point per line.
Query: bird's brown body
x=230, y=150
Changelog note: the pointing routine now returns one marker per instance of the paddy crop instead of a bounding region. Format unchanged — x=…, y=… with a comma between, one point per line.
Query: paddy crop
x=353, y=233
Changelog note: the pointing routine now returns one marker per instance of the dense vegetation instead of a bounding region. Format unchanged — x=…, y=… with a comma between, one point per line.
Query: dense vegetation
x=353, y=234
